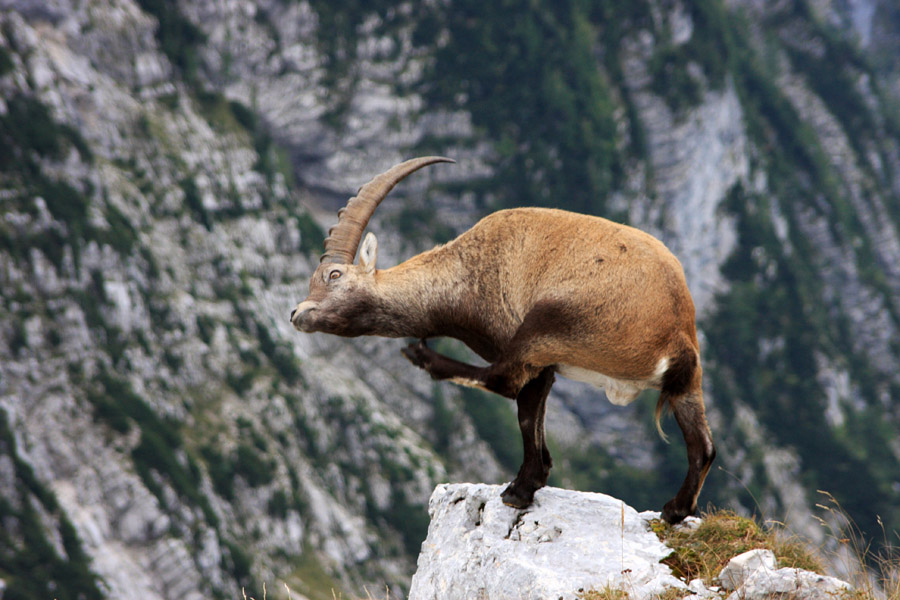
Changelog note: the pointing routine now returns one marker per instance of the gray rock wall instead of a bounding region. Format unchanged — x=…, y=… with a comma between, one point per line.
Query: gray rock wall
x=196, y=238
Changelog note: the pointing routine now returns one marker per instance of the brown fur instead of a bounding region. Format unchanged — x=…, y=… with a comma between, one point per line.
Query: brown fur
x=528, y=290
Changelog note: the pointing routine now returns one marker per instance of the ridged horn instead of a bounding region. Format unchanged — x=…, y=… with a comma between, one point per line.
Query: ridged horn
x=343, y=239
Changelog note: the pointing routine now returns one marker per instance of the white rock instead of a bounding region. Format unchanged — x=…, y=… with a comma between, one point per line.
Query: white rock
x=700, y=590
x=565, y=543
x=753, y=575
x=741, y=567
x=794, y=583
x=148, y=69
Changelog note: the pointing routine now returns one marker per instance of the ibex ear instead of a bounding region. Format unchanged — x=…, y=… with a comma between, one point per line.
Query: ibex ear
x=369, y=253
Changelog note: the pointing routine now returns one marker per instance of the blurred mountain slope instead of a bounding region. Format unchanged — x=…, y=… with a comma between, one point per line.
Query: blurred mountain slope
x=167, y=169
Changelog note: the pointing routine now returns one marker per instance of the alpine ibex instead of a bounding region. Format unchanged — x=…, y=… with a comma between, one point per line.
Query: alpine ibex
x=534, y=292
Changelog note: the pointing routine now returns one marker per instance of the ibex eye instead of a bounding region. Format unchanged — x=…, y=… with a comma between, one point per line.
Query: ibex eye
x=334, y=275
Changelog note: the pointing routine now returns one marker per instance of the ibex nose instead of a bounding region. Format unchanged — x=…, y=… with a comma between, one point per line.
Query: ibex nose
x=299, y=317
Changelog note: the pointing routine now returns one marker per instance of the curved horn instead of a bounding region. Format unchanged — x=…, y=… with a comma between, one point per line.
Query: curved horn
x=343, y=239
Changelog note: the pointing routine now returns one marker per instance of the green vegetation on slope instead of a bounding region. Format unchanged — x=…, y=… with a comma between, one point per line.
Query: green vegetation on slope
x=31, y=565
x=157, y=453
x=28, y=134
x=766, y=335
x=529, y=78
x=542, y=82
x=178, y=37
x=36, y=150
x=772, y=327
x=526, y=73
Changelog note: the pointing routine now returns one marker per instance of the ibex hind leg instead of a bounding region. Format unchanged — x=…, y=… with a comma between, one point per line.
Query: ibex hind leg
x=691, y=418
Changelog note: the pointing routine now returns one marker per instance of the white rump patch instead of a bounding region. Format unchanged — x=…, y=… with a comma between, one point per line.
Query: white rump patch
x=620, y=392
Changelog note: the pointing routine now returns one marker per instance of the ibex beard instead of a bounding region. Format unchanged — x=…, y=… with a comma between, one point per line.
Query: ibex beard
x=535, y=292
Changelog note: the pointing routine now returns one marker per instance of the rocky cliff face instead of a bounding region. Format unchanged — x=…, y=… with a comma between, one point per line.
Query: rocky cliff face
x=166, y=169
x=577, y=545
x=566, y=544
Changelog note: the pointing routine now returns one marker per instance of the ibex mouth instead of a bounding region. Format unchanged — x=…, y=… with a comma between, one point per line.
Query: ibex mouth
x=299, y=314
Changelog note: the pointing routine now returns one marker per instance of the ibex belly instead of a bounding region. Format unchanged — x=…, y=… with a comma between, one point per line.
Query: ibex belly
x=619, y=391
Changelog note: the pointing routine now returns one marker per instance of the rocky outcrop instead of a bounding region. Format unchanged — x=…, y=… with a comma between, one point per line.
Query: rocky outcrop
x=569, y=544
x=565, y=544
x=754, y=575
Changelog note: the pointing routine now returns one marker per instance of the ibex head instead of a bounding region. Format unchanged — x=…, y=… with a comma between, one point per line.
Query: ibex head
x=341, y=293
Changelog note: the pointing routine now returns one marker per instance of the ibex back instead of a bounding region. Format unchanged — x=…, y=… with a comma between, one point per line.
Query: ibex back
x=534, y=292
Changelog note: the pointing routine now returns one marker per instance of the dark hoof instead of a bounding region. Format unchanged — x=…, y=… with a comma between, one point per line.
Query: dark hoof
x=512, y=496
x=418, y=354
x=674, y=514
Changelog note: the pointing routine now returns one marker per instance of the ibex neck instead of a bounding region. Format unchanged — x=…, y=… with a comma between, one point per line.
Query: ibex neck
x=419, y=297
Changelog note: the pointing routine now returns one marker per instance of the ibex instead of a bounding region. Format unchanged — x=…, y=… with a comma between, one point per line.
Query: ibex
x=534, y=292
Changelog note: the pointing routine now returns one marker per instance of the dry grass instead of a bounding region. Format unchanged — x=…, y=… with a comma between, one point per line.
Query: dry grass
x=703, y=552
x=874, y=574
x=607, y=593
x=611, y=593
x=335, y=595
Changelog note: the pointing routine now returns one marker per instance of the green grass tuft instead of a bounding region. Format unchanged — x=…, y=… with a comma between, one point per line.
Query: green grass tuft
x=703, y=552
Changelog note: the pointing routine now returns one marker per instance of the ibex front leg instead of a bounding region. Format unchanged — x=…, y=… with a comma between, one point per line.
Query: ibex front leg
x=531, y=399
x=503, y=377
x=532, y=406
